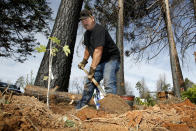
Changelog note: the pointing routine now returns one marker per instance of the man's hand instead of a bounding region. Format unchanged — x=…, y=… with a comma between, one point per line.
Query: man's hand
x=82, y=64
x=91, y=73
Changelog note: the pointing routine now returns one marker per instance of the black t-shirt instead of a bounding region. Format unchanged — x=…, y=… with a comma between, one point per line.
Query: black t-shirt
x=99, y=36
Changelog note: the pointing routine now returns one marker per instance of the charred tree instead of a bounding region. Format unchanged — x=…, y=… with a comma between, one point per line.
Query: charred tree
x=65, y=29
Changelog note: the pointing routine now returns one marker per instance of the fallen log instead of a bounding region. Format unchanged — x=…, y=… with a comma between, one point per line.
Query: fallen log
x=55, y=96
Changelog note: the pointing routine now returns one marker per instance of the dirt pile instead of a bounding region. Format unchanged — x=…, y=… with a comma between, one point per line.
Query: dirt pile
x=171, y=116
x=27, y=113
x=90, y=113
x=114, y=104
x=111, y=104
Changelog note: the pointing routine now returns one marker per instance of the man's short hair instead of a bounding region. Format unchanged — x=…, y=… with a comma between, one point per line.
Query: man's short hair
x=85, y=14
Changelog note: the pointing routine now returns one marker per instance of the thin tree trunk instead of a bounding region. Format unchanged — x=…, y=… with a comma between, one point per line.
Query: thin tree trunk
x=120, y=33
x=65, y=29
x=178, y=81
x=49, y=75
x=195, y=56
x=194, y=6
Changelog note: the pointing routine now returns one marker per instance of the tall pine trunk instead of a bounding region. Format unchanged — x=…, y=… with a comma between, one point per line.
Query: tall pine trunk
x=120, y=33
x=178, y=81
x=65, y=29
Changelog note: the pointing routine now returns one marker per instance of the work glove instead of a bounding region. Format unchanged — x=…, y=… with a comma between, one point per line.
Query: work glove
x=91, y=73
x=82, y=64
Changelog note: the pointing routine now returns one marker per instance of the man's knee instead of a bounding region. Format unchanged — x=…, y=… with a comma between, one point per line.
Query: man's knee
x=110, y=86
x=111, y=90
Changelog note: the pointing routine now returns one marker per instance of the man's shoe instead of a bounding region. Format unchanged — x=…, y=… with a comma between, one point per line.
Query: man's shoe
x=80, y=106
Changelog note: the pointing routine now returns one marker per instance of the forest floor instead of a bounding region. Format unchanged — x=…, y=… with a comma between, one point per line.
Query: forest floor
x=19, y=112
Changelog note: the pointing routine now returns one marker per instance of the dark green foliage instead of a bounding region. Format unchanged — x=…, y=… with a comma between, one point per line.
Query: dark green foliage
x=106, y=11
x=149, y=101
x=190, y=94
x=20, y=20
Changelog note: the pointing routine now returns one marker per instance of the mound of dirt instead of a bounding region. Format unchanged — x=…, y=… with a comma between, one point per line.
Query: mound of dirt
x=89, y=113
x=111, y=104
x=114, y=104
x=27, y=113
x=167, y=116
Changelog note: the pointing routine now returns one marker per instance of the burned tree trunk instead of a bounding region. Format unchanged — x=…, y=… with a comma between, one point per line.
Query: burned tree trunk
x=120, y=33
x=178, y=81
x=65, y=29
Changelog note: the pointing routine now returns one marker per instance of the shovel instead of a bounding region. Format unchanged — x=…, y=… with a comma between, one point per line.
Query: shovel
x=96, y=83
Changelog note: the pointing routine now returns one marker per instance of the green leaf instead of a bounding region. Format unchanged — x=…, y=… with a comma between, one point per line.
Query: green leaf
x=54, y=50
x=55, y=40
x=41, y=48
x=45, y=78
x=69, y=123
x=66, y=50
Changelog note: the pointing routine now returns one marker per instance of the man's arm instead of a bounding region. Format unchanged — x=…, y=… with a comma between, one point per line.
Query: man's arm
x=97, y=54
x=86, y=54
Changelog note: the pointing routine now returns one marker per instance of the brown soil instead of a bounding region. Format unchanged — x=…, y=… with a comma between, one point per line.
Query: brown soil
x=114, y=104
x=28, y=113
x=89, y=113
x=111, y=104
x=176, y=127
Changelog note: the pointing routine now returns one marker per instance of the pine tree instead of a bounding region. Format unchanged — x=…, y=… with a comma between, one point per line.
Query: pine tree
x=20, y=20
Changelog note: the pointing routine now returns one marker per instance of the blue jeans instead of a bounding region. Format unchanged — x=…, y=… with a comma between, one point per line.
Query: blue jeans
x=107, y=71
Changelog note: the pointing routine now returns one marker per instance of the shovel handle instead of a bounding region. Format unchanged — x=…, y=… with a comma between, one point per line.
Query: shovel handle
x=96, y=83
